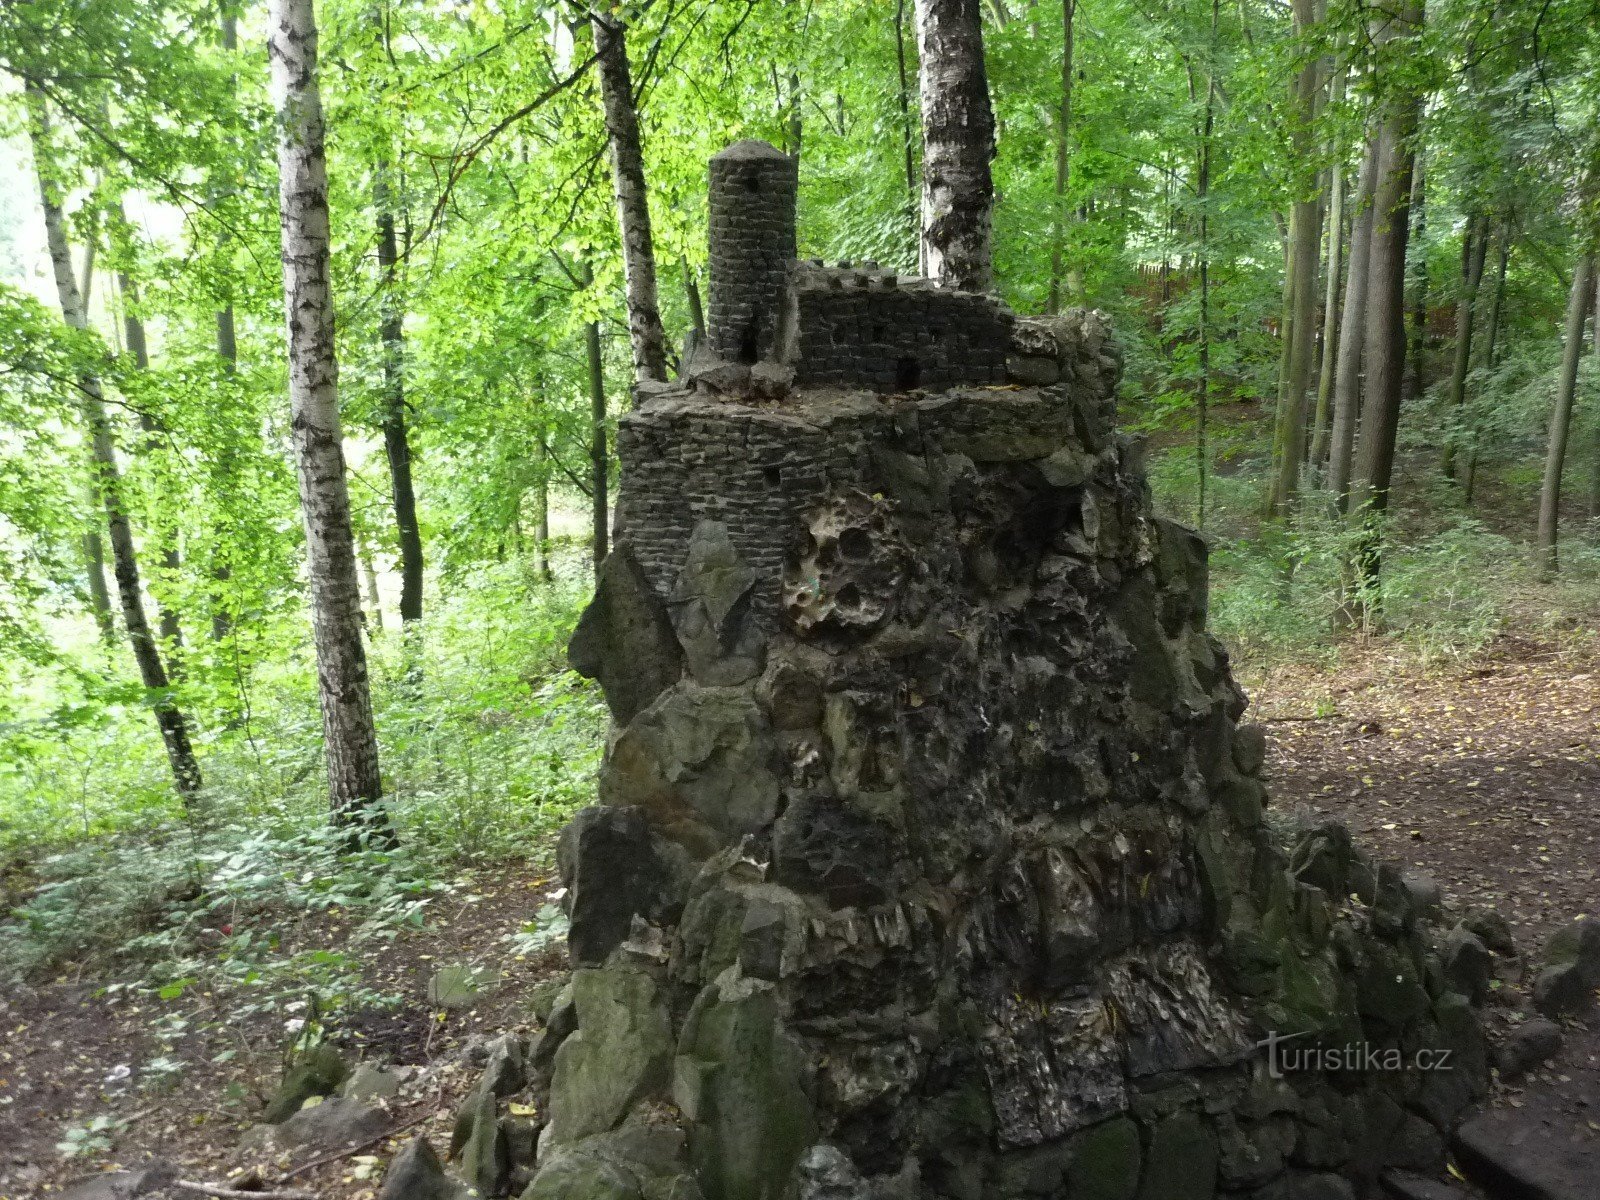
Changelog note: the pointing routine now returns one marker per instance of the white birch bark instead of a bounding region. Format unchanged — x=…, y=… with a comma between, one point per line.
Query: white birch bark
x=633, y=205
x=351, y=743
x=958, y=144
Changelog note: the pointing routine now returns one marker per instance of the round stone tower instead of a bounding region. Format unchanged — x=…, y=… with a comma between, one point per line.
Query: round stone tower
x=751, y=243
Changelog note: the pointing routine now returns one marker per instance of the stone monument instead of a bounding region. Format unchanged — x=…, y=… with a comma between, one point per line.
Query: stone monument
x=930, y=858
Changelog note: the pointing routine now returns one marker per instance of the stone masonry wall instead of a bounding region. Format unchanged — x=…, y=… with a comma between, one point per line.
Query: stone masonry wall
x=751, y=241
x=868, y=328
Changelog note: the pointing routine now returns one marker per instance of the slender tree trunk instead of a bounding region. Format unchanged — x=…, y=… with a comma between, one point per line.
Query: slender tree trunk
x=541, y=528
x=1352, y=330
x=1473, y=255
x=228, y=352
x=1594, y=448
x=354, y=783
x=138, y=347
x=1561, y=417
x=1305, y=238
x=1202, y=450
x=94, y=562
x=170, y=719
x=396, y=436
x=1417, y=343
x=1491, y=337
x=1384, y=343
x=957, y=145
x=599, y=459
x=633, y=205
x=374, y=597
x=1063, y=214
x=1330, y=303
x=908, y=135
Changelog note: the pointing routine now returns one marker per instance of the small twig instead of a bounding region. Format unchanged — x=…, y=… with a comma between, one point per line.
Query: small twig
x=345, y=1153
x=228, y=1193
x=1333, y=716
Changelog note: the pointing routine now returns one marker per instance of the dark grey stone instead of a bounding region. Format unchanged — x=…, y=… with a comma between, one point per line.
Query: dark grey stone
x=1181, y=1161
x=333, y=1123
x=417, y=1174
x=1405, y=1185
x=1515, y=1154
x=1535, y=1041
x=624, y=638
x=612, y=873
x=1305, y=1186
x=1561, y=990
x=1468, y=966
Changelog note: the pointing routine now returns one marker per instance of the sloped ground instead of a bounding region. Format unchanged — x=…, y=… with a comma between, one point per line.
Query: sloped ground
x=1486, y=775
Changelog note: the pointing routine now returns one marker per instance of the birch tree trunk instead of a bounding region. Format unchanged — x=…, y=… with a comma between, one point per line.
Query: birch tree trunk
x=354, y=784
x=958, y=144
x=1352, y=331
x=1473, y=255
x=396, y=437
x=170, y=719
x=1561, y=417
x=648, y=340
x=1305, y=238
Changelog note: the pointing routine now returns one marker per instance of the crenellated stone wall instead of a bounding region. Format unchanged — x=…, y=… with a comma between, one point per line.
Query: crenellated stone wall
x=931, y=859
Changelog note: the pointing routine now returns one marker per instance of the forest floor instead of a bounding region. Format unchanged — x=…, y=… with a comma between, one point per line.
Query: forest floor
x=1485, y=774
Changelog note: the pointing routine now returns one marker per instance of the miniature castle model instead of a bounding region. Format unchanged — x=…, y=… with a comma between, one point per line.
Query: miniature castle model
x=930, y=858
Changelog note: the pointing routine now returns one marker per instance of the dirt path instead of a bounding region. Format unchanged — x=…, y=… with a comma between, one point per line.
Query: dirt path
x=1486, y=776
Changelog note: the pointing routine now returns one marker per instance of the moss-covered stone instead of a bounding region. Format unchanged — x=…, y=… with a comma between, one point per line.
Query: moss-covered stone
x=621, y=1053
x=1105, y=1162
x=738, y=1082
x=317, y=1072
x=1181, y=1162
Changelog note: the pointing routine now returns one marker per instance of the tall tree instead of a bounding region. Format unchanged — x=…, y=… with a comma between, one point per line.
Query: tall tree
x=1491, y=342
x=1305, y=237
x=1594, y=446
x=599, y=458
x=354, y=784
x=1384, y=341
x=1352, y=328
x=1474, y=251
x=957, y=145
x=1062, y=215
x=1561, y=416
x=633, y=201
x=1330, y=299
x=170, y=719
x=1417, y=270
x=138, y=348
x=396, y=434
